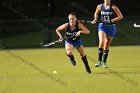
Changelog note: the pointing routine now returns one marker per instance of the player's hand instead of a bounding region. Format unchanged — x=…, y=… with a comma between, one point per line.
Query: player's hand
x=61, y=39
x=94, y=21
x=109, y=21
x=78, y=34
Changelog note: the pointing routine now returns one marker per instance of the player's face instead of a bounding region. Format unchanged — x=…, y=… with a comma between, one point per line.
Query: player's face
x=72, y=19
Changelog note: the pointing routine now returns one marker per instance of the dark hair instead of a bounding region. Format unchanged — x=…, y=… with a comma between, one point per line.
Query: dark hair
x=73, y=13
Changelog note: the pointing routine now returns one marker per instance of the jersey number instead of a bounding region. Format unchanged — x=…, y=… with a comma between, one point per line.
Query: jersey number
x=107, y=19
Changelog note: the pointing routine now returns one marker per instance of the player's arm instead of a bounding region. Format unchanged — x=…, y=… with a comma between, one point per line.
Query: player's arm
x=118, y=13
x=96, y=14
x=83, y=30
x=59, y=29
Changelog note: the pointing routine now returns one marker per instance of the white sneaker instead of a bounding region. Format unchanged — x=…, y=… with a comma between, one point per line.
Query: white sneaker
x=98, y=64
x=104, y=65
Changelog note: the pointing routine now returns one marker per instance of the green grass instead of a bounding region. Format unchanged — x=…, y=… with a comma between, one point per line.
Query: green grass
x=18, y=75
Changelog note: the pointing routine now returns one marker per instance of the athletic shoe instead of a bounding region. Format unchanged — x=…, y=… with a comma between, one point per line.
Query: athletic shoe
x=104, y=65
x=73, y=62
x=98, y=64
x=88, y=70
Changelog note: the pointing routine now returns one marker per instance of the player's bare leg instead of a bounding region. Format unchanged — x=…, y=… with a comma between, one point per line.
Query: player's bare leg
x=84, y=58
x=107, y=43
x=69, y=48
x=102, y=36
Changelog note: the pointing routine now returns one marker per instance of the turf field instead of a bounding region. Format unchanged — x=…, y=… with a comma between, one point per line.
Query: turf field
x=31, y=71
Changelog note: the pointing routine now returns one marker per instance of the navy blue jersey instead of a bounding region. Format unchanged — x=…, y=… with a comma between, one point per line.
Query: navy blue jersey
x=70, y=34
x=106, y=15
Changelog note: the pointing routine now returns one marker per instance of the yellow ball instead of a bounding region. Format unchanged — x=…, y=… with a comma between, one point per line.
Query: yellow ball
x=54, y=72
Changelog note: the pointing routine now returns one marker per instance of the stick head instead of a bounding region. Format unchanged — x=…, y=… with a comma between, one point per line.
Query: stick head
x=45, y=45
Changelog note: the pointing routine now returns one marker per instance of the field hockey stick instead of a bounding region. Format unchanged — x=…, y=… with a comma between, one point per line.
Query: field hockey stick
x=49, y=44
x=91, y=22
x=87, y=21
x=54, y=42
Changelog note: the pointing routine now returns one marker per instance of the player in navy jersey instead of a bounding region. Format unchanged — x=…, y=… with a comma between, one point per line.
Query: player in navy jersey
x=109, y=15
x=73, y=30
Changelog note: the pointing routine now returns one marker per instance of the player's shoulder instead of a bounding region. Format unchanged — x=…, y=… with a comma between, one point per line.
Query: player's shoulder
x=80, y=24
x=114, y=6
x=100, y=5
x=65, y=24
